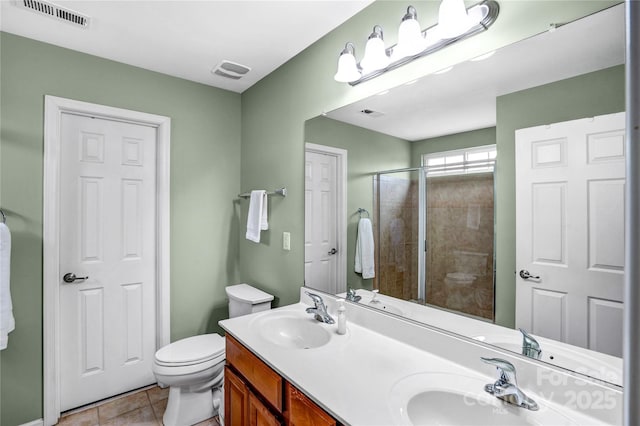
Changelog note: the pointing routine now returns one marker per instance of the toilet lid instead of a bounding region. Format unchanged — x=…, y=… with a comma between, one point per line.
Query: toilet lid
x=246, y=293
x=192, y=350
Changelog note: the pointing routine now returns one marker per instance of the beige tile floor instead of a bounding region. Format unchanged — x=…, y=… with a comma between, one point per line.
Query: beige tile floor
x=141, y=408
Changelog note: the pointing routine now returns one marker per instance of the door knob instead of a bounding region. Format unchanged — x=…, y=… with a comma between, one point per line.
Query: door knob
x=525, y=275
x=71, y=278
x=333, y=251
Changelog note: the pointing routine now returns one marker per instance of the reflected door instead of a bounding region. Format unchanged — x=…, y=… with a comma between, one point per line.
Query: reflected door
x=321, y=236
x=107, y=241
x=570, y=181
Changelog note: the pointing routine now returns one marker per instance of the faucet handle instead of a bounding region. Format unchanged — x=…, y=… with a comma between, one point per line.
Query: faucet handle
x=530, y=346
x=506, y=370
x=317, y=300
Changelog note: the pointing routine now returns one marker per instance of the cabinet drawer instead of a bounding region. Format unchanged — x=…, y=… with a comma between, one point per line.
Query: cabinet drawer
x=266, y=381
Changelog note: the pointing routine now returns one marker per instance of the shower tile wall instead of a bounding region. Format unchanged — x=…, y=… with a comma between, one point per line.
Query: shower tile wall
x=460, y=217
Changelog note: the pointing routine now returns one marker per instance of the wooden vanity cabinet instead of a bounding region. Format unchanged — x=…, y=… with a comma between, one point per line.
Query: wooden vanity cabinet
x=301, y=411
x=255, y=395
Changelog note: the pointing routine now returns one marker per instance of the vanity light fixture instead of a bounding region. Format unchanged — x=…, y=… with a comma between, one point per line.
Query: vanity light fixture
x=455, y=23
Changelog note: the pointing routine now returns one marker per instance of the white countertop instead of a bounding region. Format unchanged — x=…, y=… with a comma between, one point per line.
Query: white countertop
x=352, y=376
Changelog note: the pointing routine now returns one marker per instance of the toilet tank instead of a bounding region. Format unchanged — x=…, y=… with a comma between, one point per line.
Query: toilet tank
x=470, y=262
x=244, y=300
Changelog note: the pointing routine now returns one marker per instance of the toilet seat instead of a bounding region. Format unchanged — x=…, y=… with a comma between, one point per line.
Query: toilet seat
x=192, y=350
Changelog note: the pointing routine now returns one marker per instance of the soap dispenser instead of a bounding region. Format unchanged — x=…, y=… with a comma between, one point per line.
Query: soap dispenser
x=342, y=317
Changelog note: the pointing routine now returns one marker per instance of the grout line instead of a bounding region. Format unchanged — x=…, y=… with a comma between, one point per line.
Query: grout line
x=151, y=406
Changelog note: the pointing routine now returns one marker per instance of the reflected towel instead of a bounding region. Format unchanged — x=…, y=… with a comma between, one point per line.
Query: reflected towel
x=7, y=323
x=257, y=217
x=364, y=262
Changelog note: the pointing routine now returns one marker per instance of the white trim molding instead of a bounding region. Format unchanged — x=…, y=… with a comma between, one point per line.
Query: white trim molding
x=54, y=108
x=38, y=422
x=341, y=207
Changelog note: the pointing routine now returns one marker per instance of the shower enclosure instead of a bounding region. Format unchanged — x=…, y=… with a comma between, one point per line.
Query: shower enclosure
x=435, y=234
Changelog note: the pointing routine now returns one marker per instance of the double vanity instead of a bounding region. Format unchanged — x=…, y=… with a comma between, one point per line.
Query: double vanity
x=285, y=366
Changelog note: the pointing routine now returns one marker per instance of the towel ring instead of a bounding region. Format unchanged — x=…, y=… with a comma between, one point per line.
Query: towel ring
x=361, y=210
x=4, y=218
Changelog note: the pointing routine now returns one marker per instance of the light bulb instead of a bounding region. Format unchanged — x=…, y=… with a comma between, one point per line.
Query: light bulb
x=347, y=66
x=375, y=54
x=453, y=19
x=410, y=39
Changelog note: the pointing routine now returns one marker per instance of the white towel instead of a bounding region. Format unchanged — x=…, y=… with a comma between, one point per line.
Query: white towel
x=257, y=217
x=7, y=323
x=364, y=263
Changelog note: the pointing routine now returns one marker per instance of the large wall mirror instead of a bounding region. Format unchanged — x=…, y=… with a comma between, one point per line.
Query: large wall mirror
x=432, y=164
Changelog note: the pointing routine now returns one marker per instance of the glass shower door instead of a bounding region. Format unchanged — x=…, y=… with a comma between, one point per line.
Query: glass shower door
x=399, y=224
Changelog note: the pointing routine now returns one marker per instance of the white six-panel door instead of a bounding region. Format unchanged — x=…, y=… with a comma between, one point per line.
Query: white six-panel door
x=107, y=233
x=320, y=263
x=570, y=181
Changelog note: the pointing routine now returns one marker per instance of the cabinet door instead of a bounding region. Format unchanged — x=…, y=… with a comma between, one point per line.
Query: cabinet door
x=259, y=414
x=304, y=412
x=236, y=399
x=266, y=382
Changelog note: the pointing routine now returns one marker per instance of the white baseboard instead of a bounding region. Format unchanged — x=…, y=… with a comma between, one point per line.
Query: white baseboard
x=38, y=422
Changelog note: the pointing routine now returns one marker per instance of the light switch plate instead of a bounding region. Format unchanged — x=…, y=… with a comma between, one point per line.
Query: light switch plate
x=286, y=241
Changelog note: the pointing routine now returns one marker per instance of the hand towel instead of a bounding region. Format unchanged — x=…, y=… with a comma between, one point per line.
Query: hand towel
x=364, y=262
x=257, y=217
x=7, y=323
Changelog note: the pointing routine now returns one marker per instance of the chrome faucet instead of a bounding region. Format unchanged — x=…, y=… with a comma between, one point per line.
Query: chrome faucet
x=320, y=310
x=530, y=346
x=506, y=387
x=352, y=296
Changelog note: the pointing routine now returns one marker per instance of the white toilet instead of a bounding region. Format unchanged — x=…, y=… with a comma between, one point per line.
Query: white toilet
x=193, y=367
x=467, y=266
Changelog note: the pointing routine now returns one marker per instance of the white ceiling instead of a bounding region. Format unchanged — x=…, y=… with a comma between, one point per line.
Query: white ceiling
x=464, y=98
x=187, y=39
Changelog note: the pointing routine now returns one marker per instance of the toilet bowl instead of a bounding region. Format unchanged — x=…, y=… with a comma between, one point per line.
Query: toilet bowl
x=459, y=289
x=467, y=266
x=193, y=367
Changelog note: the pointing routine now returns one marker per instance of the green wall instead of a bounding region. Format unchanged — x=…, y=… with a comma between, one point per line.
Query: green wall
x=205, y=163
x=368, y=152
x=588, y=95
x=456, y=141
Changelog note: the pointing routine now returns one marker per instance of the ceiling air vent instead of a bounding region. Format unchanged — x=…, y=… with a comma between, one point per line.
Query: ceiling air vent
x=371, y=113
x=54, y=11
x=230, y=69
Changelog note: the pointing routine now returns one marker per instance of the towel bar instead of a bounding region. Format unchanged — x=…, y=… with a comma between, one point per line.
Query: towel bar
x=282, y=192
x=361, y=210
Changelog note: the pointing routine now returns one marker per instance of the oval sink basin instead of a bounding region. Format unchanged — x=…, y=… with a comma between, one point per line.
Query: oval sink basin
x=453, y=399
x=293, y=332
